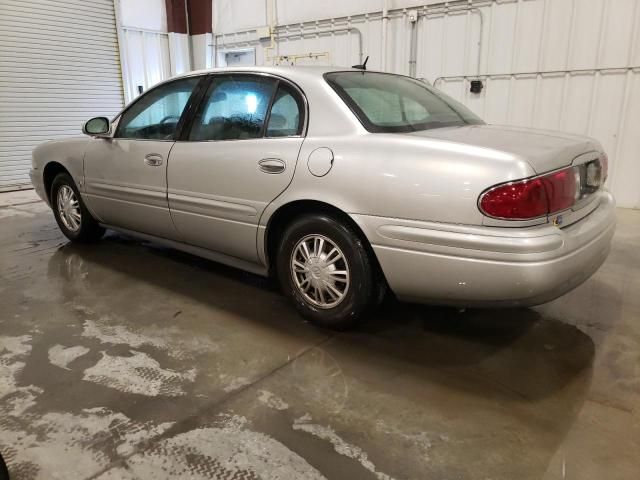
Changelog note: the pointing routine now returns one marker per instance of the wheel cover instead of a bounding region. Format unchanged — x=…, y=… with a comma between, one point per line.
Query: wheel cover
x=320, y=271
x=69, y=208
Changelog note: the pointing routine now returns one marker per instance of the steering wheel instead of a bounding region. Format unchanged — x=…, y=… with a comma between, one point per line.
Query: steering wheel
x=169, y=117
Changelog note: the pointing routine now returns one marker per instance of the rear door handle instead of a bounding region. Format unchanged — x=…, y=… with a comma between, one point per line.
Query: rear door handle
x=153, y=159
x=272, y=165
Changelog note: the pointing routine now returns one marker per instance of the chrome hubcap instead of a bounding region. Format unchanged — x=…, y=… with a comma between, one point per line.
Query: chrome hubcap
x=320, y=271
x=69, y=208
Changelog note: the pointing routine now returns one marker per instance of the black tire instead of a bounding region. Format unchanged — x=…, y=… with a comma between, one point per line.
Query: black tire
x=362, y=286
x=4, y=473
x=89, y=230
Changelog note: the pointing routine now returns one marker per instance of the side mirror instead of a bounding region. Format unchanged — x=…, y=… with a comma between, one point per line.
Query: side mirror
x=97, y=127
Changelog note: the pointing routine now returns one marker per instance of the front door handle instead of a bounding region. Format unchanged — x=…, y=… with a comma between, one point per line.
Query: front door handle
x=153, y=159
x=272, y=165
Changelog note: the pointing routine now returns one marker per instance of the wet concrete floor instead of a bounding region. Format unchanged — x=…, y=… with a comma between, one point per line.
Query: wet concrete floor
x=123, y=360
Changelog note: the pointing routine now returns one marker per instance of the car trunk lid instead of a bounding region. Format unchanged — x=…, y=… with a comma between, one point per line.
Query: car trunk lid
x=543, y=150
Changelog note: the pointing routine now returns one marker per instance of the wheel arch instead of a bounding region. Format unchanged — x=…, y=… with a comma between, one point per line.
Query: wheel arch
x=50, y=171
x=286, y=213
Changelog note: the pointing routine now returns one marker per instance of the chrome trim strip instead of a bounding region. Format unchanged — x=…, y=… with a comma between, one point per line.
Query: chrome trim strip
x=487, y=243
x=202, y=205
x=144, y=190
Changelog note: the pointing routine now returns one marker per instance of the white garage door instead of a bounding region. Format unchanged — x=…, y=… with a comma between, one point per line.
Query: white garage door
x=59, y=66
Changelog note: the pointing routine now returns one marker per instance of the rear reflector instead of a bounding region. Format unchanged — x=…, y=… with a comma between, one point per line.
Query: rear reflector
x=534, y=197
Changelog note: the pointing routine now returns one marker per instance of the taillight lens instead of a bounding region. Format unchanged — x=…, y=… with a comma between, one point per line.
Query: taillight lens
x=517, y=200
x=561, y=188
x=532, y=198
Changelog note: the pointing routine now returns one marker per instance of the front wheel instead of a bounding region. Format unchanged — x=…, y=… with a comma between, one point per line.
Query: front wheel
x=72, y=215
x=324, y=267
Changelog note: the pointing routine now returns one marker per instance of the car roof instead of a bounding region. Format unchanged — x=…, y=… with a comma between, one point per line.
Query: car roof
x=303, y=74
x=284, y=70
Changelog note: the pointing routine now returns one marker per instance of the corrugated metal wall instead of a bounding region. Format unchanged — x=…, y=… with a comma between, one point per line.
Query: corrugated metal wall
x=59, y=66
x=571, y=65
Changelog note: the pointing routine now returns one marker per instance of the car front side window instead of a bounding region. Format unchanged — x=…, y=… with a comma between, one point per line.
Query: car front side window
x=155, y=116
x=235, y=108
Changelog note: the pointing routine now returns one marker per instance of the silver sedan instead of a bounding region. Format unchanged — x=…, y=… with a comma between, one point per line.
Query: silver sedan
x=340, y=183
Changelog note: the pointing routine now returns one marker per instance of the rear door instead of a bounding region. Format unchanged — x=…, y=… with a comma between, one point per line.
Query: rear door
x=238, y=155
x=126, y=176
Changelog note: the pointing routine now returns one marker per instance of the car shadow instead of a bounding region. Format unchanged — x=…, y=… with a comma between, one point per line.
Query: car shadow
x=517, y=352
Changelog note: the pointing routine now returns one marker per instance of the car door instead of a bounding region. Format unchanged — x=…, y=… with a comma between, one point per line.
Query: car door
x=126, y=175
x=238, y=155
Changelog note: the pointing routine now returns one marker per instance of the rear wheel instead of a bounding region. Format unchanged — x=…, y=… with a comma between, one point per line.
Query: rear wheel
x=72, y=215
x=324, y=267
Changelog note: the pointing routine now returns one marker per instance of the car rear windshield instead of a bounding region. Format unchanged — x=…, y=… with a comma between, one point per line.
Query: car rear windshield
x=391, y=103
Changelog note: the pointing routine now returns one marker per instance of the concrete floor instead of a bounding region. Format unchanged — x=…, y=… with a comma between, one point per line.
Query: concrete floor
x=123, y=360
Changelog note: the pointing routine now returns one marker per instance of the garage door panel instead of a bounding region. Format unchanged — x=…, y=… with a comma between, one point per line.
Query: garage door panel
x=44, y=12
x=70, y=61
x=59, y=66
x=67, y=49
x=95, y=7
x=19, y=32
x=59, y=26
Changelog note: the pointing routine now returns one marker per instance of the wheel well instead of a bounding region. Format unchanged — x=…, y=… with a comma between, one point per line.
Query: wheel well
x=287, y=213
x=50, y=171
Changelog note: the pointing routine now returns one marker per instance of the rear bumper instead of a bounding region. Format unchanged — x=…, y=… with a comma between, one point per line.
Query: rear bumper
x=486, y=266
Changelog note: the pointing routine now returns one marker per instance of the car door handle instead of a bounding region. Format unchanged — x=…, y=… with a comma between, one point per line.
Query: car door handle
x=153, y=159
x=272, y=165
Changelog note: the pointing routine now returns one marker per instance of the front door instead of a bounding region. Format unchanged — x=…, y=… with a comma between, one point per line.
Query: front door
x=238, y=155
x=126, y=176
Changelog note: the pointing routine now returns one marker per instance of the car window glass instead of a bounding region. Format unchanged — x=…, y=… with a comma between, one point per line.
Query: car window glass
x=393, y=103
x=156, y=114
x=285, y=118
x=381, y=106
x=388, y=108
x=234, y=108
x=413, y=111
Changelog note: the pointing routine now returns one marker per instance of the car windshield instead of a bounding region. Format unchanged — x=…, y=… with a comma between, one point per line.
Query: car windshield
x=392, y=103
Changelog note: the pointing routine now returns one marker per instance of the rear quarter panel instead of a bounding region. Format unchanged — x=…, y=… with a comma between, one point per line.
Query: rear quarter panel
x=399, y=176
x=403, y=177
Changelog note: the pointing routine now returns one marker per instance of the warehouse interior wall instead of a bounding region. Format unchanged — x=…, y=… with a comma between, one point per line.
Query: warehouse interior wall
x=569, y=65
x=160, y=42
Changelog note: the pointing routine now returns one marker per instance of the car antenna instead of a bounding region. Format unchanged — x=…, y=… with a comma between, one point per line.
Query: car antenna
x=363, y=66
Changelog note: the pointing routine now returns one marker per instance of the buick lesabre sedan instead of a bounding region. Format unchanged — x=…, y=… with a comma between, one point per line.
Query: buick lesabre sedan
x=340, y=183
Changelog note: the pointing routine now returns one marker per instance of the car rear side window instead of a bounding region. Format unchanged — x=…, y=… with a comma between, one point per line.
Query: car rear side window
x=156, y=114
x=285, y=119
x=393, y=103
x=234, y=108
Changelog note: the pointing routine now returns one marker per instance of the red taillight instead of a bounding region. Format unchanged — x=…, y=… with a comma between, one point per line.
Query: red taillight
x=561, y=189
x=525, y=199
x=531, y=198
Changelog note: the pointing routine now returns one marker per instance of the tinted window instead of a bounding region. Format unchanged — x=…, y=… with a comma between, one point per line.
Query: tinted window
x=156, y=114
x=234, y=108
x=392, y=103
x=286, y=114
